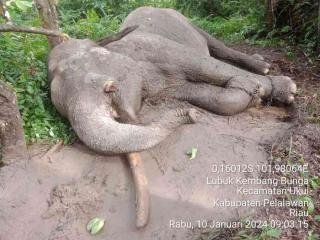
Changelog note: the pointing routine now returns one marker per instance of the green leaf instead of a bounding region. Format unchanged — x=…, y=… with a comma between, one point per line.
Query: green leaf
x=317, y=218
x=8, y=3
x=23, y=5
x=274, y=232
x=314, y=185
x=312, y=236
x=314, y=182
x=285, y=29
x=51, y=133
x=192, y=153
x=95, y=225
x=27, y=3
x=30, y=89
x=310, y=207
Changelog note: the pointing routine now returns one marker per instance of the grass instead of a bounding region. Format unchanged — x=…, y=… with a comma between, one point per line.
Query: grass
x=309, y=105
x=23, y=65
x=234, y=29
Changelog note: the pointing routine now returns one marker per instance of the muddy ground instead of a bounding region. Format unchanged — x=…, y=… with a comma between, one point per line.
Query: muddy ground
x=54, y=197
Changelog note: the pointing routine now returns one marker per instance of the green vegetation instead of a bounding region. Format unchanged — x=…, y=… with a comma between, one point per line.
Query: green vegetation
x=265, y=233
x=23, y=56
x=309, y=105
x=23, y=65
x=298, y=22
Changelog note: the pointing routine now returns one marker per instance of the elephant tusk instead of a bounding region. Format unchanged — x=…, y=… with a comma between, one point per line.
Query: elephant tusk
x=141, y=188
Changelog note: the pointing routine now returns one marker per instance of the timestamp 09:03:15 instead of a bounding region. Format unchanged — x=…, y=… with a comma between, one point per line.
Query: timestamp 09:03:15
x=264, y=168
x=253, y=224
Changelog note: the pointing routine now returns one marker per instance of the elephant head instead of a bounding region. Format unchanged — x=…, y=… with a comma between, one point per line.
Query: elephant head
x=81, y=73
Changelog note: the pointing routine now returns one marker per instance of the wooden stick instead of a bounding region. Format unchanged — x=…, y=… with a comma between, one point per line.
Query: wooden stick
x=15, y=28
x=141, y=188
x=117, y=36
x=12, y=141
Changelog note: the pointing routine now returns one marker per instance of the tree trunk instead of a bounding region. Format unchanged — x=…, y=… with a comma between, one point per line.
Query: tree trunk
x=49, y=18
x=318, y=44
x=12, y=141
x=270, y=19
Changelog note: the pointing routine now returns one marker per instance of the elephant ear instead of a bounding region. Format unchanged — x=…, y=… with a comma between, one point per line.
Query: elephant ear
x=117, y=36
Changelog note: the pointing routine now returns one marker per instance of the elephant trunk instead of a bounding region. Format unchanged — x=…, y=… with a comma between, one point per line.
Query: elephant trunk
x=95, y=126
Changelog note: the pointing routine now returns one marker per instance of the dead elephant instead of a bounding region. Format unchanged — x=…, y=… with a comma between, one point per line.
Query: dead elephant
x=92, y=85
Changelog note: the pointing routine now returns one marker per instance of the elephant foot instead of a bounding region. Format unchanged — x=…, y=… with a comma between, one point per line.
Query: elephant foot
x=249, y=85
x=191, y=115
x=265, y=66
x=173, y=118
x=194, y=115
x=283, y=89
x=257, y=97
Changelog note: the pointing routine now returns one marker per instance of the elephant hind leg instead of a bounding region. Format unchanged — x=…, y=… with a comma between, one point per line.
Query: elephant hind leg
x=219, y=50
x=219, y=100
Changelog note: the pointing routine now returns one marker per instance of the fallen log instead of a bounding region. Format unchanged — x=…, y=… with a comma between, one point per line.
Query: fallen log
x=12, y=141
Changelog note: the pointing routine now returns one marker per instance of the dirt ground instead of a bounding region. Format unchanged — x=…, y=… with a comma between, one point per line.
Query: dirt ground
x=54, y=197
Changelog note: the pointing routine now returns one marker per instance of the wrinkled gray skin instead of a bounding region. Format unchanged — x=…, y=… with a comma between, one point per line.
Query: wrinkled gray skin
x=167, y=56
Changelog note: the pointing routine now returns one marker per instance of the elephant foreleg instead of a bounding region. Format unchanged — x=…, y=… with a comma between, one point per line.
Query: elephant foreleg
x=223, y=101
